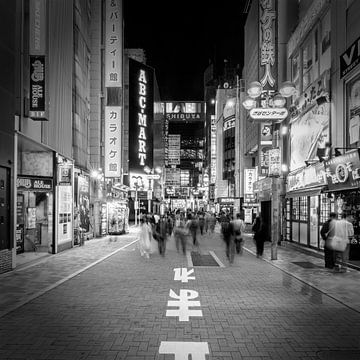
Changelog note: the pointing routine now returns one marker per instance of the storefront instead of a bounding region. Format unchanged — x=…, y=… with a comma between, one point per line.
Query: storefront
x=117, y=212
x=34, y=210
x=343, y=177
x=307, y=207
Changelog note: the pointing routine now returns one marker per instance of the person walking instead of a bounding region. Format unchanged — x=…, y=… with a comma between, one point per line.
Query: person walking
x=345, y=230
x=201, y=221
x=226, y=231
x=259, y=229
x=238, y=226
x=192, y=225
x=180, y=234
x=325, y=232
x=145, y=238
x=212, y=223
x=161, y=234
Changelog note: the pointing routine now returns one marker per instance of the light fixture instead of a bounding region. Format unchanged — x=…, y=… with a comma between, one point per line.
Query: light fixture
x=255, y=89
x=158, y=170
x=287, y=89
x=147, y=169
x=284, y=168
x=249, y=103
x=284, y=130
x=279, y=101
x=213, y=101
x=94, y=174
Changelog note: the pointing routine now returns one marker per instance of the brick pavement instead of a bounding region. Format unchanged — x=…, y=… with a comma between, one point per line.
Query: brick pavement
x=116, y=309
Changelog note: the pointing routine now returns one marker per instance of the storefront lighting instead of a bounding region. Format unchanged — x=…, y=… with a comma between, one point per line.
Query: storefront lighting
x=284, y=130
x=212, y=101
x=287, y=89
x=254, y=89
x=249, y=103
x=147, y=169
x=284, y=168
x=279, y=101
x=94, y=174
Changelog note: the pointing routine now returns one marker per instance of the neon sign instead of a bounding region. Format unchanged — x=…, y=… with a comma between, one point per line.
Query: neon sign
x=142, y=118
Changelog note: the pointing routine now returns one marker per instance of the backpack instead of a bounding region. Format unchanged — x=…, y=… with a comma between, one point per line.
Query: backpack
x=225, y=227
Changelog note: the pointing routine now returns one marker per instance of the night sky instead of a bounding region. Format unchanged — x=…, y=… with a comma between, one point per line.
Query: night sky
x=181, y=37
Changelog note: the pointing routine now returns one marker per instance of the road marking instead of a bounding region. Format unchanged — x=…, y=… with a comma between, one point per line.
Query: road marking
x=183, y=275
x=182, y=350
x=183, y=302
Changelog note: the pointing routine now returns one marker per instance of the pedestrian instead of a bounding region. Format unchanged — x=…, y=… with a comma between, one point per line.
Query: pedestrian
x=212, y=223
x=161, y=229
x=238, y=226
x=201, y=223
x=325, y=233
x=345, y=230
x=259, y=229
x=192, y=225
x=226, y=231
x=145, y=238
x=180, y=234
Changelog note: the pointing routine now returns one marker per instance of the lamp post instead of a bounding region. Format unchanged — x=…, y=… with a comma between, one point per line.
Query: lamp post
x=269, y=106
x=152, y=174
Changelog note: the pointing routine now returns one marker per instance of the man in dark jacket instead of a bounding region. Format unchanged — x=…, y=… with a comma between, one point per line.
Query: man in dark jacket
x=325, y=232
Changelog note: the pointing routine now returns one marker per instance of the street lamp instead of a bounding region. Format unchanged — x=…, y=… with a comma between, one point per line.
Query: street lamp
x=272, y=109
x=152, y=174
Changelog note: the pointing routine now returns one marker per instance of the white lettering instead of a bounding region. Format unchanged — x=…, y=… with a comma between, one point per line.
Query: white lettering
x=347, y=58
x=142, y=89
x=142, y=134
x=184, y=301
x=182, y=350
x=142, y=102
x=142, y=145
x=142, y=158
x=142, y=76
x=142, y=119
x=183, y=274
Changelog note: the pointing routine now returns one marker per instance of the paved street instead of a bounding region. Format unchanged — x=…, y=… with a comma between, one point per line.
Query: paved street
x=123, y=306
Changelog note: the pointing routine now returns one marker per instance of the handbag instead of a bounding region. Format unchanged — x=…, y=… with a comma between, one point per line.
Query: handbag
x=336, y=243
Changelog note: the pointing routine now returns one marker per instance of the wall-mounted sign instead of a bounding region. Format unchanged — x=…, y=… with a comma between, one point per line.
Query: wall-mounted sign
x=343, y=172
x=33, y=184
x=311, y=176
x=37, y=109
x=268, y=114
x=274, y=162
x=249, y=179
x=141, y=113
x=112, y=141
x=113, y=43
x=174, y=149
x=37, y=25
x=223, y=201
x=350, y=58
x=267, y=51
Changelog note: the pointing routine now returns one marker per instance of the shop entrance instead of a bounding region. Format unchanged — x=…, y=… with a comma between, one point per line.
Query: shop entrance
x=34, y=230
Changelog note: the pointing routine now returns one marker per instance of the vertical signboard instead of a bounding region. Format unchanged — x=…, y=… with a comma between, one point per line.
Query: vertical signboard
x=112, y=141
x=113, y=43
x=249, y=179
x=141, y=113
x=174, y=149
x=213, y=151
x=267, y=51
x=274, y=162
x=37, y=51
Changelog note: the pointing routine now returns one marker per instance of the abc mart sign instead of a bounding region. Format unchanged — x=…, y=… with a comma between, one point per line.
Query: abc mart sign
x=268, y=114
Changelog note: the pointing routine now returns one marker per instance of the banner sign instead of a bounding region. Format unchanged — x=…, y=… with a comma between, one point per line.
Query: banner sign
x=249, y=179
x=343, y=172
x=141, y=114
x=33, y=184
x=311, y=176
x=37, y=108
x=267, y=51
x=37, y=25
x=112, y=141
x=350, y=58
x=113, y=43
x=274, y=162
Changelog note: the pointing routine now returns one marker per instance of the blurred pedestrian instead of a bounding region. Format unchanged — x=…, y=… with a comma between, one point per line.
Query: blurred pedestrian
x=145, y=238
x=327, y=230
x=226, y=231
x=260, y=236
x=192, y=225
x=201, y=221
x=238, y=226
x=161, y=234
x=345, y=230
x=180, y=234
x=212, y=223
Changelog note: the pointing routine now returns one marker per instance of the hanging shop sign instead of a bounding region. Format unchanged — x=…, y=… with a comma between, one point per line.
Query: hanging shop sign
x=112, y=141
x=33, y=184
x=350, y=58
x=308, y=177
x=249, y=179
x=141, y=114
x=267, y=51
x=37, y=25
x=268, y=114
x=343, y=172
x=274, y=162
x=37, y=107
x=113, y=43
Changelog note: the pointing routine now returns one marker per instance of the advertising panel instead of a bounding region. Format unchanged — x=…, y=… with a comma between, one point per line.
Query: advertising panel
x=249, y=179
x=112, y=141
x=174, y=149
x=37, y=108
x=267, y=51
x=65, y=203
x=353, y=111
x=350, y=58
x=113, y=43
x=274, y=162
x=37, y=25
x=213, y=151
x=343, y=172
x=84, y=201
x=141, y=114
x=184, y=110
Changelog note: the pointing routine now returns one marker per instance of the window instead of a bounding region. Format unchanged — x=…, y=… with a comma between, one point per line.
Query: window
x=353, y=113
x=303, y=208
x=307, y=63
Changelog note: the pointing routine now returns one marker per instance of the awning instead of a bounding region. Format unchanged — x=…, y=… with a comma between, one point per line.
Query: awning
x=305, y=192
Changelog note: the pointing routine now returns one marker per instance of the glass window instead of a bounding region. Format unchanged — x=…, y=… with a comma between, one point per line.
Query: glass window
x=303, y=209
x=295, y=209
x=307, y=62
x=353, y=113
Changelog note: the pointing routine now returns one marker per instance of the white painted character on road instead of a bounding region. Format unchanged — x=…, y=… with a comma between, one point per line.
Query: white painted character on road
x=184, y=302
x=182, y=350
x=183, y=275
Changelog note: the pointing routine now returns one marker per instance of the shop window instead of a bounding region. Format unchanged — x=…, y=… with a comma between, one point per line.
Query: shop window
x=295, y=209
x=353, y=113
x=303, y=208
